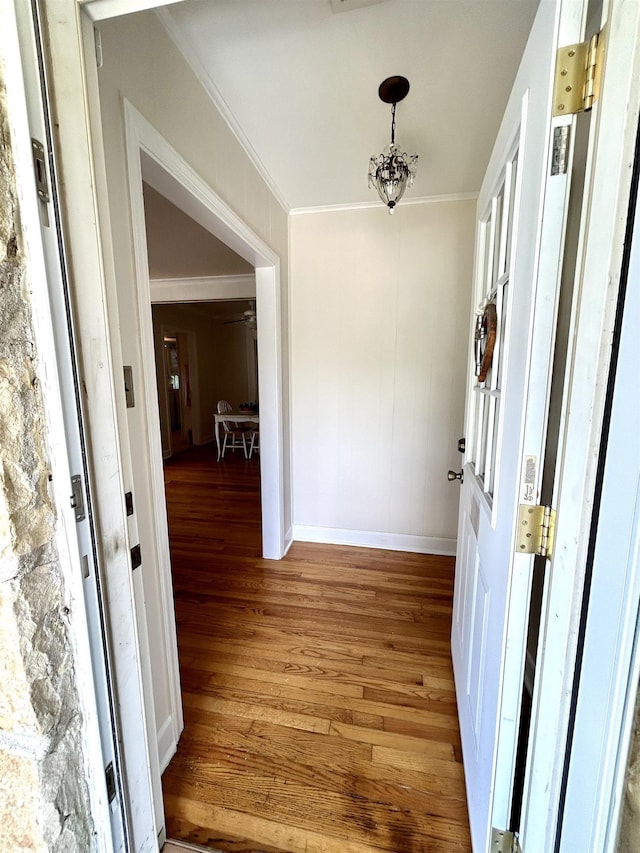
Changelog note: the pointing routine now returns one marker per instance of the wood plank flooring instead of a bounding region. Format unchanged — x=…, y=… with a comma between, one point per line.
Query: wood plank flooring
x=320, y=713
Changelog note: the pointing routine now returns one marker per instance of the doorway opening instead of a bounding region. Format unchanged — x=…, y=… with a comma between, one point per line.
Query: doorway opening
x=153, y=163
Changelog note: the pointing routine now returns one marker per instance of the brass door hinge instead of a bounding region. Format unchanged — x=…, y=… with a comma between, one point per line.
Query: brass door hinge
x=503, y=841
x=536, y=530
x=578, y=75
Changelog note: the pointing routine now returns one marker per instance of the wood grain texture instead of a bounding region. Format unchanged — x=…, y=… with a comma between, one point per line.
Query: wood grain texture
x=318, y=693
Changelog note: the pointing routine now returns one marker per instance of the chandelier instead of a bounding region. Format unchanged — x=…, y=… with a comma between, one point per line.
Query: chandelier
x=394, y=170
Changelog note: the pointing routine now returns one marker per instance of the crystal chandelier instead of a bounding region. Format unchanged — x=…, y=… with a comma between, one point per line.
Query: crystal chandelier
x=394, y=170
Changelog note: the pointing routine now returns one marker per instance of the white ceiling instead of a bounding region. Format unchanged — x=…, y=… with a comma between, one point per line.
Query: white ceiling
x=300, y=83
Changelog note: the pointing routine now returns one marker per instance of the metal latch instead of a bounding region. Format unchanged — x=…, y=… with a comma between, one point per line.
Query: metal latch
x=503, y=841
x=536, y=530
x=40, y=169
x=578, y=76
x=128, y=502
x=77, y=497
x=559, y=159
x=111, y=781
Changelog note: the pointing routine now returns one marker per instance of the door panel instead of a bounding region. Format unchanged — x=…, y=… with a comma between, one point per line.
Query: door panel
x=520, y=228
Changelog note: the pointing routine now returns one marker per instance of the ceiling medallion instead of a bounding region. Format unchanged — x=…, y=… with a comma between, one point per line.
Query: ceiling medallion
x=394, y=170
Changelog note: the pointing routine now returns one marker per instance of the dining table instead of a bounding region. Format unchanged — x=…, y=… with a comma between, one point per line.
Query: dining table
x=235, y=418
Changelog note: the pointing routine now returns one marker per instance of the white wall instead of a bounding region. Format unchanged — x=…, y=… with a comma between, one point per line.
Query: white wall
x=179, y=247
x=379, y=320
x=141, y=64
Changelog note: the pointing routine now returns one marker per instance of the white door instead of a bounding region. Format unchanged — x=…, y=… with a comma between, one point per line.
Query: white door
x=520, y=226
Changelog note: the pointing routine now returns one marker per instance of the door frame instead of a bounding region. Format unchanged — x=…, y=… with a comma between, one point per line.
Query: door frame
x=151, y=157
x=605, y=703
x=597, y=280
x=25, y=112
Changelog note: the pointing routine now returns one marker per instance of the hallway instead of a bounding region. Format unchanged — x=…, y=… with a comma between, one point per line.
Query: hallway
x=320, y=713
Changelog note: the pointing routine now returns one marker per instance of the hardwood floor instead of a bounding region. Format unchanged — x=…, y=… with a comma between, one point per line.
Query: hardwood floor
x=320, y=714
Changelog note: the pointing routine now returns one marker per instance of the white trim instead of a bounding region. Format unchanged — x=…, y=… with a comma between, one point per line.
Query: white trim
x=183, y=44
x=166, y=743
x=371, y=539
x=100, y=10
x=288, y=539
x=203, y=288
x=134, y=141
x=175, y=846
x=269, y=336
x=364, y=205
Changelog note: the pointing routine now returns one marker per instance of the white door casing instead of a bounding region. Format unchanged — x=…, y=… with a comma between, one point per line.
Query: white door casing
x=606, y=699
x=521, y=221
x=614, y=123
x=29, y=117
x=68, y=36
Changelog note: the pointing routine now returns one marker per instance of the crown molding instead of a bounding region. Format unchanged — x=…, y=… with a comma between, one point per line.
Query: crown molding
x=364, y=205
x=183, y=44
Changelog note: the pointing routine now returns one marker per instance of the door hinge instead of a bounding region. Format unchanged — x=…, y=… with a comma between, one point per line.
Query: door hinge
x=77, y=497
x=111, y=781
x=136, y=557
x=536, y=530
x=40, y=169
x=578, y=75
x=503, y=841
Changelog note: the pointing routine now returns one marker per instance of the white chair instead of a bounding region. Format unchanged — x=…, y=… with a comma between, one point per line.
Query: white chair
x=235, y=435
x=255, y=441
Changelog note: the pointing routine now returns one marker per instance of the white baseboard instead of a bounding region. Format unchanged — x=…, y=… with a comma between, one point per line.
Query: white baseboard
x=179, y=846
x=370, y=539
x=288, y=540
x=167, y=743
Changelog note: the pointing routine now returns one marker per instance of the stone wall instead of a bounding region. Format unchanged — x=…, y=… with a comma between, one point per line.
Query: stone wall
x=629, y=835
x=44, y=803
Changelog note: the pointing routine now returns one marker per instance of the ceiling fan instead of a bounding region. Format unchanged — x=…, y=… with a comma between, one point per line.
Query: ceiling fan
x=248, y=318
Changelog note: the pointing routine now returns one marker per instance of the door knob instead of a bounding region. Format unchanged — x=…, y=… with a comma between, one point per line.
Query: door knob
x=451, y=476
x=462, y=445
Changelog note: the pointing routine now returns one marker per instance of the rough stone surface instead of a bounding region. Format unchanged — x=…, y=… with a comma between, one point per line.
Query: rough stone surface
x=44, y=804
x=629, y=835
x=19, y=795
